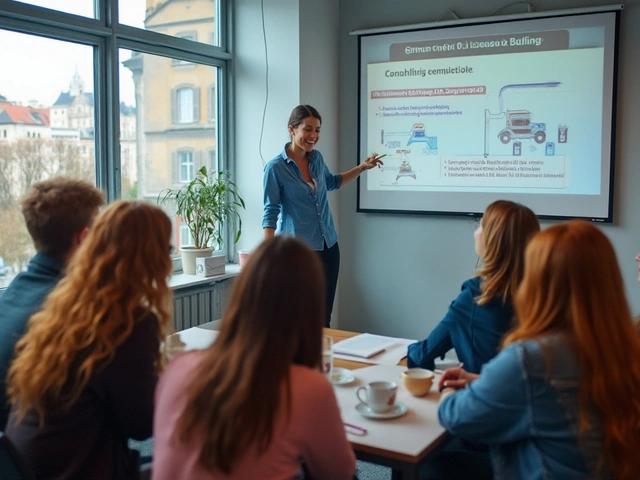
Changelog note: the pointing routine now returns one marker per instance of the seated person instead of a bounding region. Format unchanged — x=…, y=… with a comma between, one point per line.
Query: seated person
x=256, y=404
x=84, y=375
x=561, y=400
x=58, y=213
x=482, y=313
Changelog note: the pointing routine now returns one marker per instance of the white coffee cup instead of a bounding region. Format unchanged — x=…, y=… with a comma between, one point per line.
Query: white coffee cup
x=379, y=396
x=327, y=355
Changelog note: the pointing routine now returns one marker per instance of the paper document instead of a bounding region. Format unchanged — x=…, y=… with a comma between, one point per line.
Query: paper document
x=364, y=345
x=392, y=354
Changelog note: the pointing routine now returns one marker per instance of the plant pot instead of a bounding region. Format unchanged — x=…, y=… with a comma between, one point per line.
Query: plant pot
x=189, y=255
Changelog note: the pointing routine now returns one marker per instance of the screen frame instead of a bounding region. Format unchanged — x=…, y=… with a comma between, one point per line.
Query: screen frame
x=476, y=213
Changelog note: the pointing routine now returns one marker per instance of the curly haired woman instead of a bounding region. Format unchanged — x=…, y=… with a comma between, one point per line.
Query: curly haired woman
x=84, y=375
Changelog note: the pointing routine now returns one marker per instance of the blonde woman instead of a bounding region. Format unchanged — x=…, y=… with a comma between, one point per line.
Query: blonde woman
x=84, y=375
x=483, y=311
x=256, y=404
x=562, y=399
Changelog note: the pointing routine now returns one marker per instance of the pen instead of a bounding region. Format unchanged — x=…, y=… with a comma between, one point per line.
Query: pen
x=359, y=430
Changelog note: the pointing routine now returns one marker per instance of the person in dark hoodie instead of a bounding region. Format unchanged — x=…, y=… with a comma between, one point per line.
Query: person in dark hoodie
x=58, y=213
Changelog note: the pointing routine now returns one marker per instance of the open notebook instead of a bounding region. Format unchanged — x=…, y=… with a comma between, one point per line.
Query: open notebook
x=364, y=345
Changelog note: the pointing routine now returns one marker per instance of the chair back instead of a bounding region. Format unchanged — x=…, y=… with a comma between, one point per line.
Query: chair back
x=12, y=465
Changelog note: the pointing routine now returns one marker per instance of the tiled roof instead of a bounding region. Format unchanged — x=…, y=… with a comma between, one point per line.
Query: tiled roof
x=65, y=98
x=127, y=109
x=14, y=114
x=86, y=133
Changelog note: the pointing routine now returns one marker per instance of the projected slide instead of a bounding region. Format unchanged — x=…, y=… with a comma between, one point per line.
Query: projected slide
x=511, y=114
x=514, y=121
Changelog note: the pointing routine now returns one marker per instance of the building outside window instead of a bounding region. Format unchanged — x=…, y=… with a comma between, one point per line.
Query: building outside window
x=134, y=137
x=187, y=172
x=185, y=105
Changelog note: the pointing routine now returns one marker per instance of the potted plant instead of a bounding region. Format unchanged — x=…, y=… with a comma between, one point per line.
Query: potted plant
x=204, y=204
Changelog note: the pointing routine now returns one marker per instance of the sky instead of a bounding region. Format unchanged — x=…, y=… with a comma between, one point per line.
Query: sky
x=37, y=68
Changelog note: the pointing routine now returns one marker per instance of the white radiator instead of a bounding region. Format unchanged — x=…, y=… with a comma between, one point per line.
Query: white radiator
x=195, y=305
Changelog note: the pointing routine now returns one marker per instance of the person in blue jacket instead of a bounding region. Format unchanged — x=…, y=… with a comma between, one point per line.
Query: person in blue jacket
x=481, y=315
x=296, y=183
x=562, y=399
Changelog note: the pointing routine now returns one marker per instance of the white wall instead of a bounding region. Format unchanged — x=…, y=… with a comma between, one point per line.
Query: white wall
x=398, y=272
x=302, y=46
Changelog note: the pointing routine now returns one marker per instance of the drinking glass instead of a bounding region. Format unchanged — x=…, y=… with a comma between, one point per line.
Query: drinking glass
x=327, y=355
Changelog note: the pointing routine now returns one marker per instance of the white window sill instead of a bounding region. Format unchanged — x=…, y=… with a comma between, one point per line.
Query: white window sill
x=182, y=280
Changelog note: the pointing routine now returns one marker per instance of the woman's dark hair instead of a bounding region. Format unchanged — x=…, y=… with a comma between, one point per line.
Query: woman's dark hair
x=300, y=113
x=273, y=320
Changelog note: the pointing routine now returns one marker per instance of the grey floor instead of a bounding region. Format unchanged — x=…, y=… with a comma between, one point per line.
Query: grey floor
x=365, y=470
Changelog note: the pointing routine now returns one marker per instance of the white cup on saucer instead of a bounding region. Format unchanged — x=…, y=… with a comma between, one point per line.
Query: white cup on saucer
x=380, y=396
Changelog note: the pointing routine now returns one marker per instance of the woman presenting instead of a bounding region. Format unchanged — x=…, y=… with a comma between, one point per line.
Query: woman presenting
x=296, y=183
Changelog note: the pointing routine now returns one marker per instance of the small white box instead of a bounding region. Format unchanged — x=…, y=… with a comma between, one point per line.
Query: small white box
x=210, y=266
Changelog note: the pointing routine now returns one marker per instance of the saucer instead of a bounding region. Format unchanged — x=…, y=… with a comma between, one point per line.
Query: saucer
x=397, y=410
x=342, y=376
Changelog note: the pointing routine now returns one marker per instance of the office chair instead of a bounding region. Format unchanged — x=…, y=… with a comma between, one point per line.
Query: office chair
x=12, y=466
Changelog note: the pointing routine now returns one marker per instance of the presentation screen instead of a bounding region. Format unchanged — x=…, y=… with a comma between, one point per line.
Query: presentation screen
x=521, y=110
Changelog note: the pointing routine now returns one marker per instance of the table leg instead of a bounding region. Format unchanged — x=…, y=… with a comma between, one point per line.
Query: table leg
x=396, y=474
x=407, y=471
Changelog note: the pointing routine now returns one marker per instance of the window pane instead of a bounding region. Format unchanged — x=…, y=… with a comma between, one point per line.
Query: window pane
x=186, y=166
x=185, y=105
x=171, y=133
x=193, y=20
x=84, y=8
x=46, y=129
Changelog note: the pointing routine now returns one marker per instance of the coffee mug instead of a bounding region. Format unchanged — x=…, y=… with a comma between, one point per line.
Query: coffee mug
x=417, y=381
x=379, y=396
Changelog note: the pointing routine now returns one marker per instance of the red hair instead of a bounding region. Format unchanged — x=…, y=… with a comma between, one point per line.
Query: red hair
x=572, y=285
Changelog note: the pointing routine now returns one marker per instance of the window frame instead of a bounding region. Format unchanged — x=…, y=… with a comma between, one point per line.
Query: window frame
x=107, y=36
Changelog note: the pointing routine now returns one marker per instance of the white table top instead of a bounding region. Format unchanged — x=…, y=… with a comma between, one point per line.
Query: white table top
x=407, y=438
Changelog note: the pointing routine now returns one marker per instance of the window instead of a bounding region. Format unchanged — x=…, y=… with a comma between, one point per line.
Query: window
x=77, y=7
x=185, y=163
x=212, y=104
x=185, y=104
x=185, y=236
x=155, y=114
x=186, y=166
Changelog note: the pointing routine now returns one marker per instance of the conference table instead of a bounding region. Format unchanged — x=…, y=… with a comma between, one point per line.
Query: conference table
x=402, y=443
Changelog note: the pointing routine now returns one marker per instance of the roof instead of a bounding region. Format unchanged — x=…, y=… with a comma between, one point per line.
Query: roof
x=127, y=109
x=14, y=114
x=65, y=98
x=87, y=133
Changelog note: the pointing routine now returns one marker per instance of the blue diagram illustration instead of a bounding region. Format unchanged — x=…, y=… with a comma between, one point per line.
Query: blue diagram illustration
x=518, y=124
x=418, y=134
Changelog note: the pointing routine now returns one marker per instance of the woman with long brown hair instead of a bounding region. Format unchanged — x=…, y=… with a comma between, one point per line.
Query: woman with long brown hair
x=483, y=311
x=255, y=404
x=562, y=399
x=84, y=375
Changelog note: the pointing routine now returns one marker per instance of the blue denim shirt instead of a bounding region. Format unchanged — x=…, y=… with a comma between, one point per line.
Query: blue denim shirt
x=473, y=330
x=527, y=412
x=304, y=213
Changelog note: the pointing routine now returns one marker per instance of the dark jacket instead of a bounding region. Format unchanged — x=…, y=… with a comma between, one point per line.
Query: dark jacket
x=473, y=330
x=24, y=297
x=89, y=441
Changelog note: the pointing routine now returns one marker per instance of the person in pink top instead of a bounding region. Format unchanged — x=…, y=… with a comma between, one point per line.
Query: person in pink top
x=255, y=404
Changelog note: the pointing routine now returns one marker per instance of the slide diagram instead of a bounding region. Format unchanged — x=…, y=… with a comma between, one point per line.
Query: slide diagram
x=492, y=123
